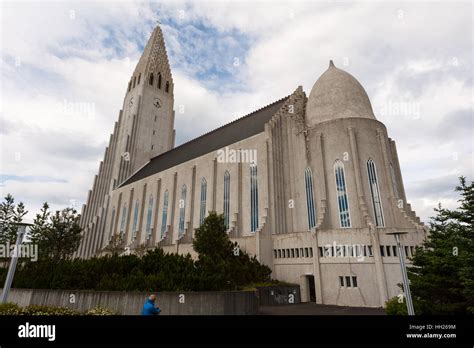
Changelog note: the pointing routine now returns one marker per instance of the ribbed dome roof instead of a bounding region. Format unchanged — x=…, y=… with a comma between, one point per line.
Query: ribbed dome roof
x=337, y=94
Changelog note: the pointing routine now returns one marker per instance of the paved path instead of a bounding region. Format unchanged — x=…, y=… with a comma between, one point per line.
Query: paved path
x=310, y=308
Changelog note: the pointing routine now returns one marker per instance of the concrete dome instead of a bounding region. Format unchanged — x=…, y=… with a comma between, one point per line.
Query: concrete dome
x=337, y=94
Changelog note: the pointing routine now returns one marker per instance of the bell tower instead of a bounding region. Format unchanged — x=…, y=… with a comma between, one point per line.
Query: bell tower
x=146, y=121
x=145, y=129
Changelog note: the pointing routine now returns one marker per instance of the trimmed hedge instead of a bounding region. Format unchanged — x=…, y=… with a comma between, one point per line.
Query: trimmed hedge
x=155, y=271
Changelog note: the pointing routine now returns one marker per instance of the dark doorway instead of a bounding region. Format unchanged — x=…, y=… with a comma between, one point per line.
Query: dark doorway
x=311, y=288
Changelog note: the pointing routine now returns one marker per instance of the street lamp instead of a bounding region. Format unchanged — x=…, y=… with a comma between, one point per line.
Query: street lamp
x=11, y=269
x=406, y=285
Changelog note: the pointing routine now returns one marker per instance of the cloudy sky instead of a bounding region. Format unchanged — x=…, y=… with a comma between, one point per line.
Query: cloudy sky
x=65, y=68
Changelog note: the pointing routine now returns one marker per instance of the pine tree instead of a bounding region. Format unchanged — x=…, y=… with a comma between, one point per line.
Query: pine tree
x=10, y=215
x=442, y=275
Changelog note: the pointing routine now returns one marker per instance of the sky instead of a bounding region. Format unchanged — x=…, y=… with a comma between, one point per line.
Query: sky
x=65, y=66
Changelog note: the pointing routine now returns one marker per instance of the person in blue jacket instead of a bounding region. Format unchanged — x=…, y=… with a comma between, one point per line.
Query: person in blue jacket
x=149, y=306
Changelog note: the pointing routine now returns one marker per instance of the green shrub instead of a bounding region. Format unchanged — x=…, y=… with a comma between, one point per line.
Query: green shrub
x=48, y=310
x=396, y=307
x=99, y=310
x=10, y=309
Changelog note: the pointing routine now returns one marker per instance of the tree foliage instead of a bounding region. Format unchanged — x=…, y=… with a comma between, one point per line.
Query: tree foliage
x=57, y=235
x=442, y=275
x=10, y=214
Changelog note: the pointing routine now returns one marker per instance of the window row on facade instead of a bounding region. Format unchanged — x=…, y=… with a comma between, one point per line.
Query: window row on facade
x=182, y=202
x=392, y=250
x=151, y=81
x=291, y=253
x=342, y=198
x=348, y=281
x=346, y=251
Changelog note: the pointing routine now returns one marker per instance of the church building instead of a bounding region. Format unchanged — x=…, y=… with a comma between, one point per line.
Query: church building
x=310, y=185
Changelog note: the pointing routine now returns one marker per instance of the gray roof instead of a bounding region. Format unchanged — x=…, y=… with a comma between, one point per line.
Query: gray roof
x=230, y=133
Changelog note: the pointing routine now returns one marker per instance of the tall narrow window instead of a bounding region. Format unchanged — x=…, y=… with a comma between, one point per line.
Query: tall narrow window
x=112, y=222
x=135, y=220
x=164, y=217
x=148, y=216
x=167, y=87
x=159, y=80
x=134, y=81
x=375, y=193
x=202, y=208
x=226, y=198
x=253, y=198
x=342, y=200
x=150, y=80
x=182, y=210
x=124, y=217
x=394, y=181
x=139, y=77
x=308, y=179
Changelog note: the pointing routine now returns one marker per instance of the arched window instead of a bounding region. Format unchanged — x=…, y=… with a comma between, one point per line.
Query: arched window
x=167, y=87
x=394, y=182
x=150, y=80
x=374, y=191
x=308, y=180
x=148, y=215
x=135, y=219
x=202, y=208
x=182, y=210
x=124, y=216
x=139, y=77
x=342, y=200
x=159, y=80
x=226, y=198
x=164, y=217
x=253, y=198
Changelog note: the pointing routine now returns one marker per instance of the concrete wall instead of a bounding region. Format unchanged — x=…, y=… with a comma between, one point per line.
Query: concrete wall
x=131, y=303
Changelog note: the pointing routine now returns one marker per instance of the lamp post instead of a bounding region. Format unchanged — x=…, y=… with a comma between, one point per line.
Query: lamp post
x=14, y=260
x=406, y=284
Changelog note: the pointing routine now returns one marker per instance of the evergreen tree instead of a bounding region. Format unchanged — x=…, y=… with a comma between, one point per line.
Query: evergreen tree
x=442, y=275
x=10, y=215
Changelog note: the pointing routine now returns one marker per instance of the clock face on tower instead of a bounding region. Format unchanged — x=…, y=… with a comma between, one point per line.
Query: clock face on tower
x=157, y=103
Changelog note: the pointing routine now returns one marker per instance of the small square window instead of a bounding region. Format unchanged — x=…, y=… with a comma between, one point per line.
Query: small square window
x=310, y=252
x=306, y=253
x=354, y=282
x=297, y=251
x=279, y=253
x=341, y=281
x=288, y=253
x=394, y=248
x=301, y=252
x=348, y=281
x=388, y=250
x=382, y=250
x=275, y=254
x=293, y=253
x=370, y=250
x=283, y=253
x=321, y=252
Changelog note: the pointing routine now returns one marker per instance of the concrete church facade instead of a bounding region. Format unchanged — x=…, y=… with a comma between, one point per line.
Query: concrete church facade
x=310, y=185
